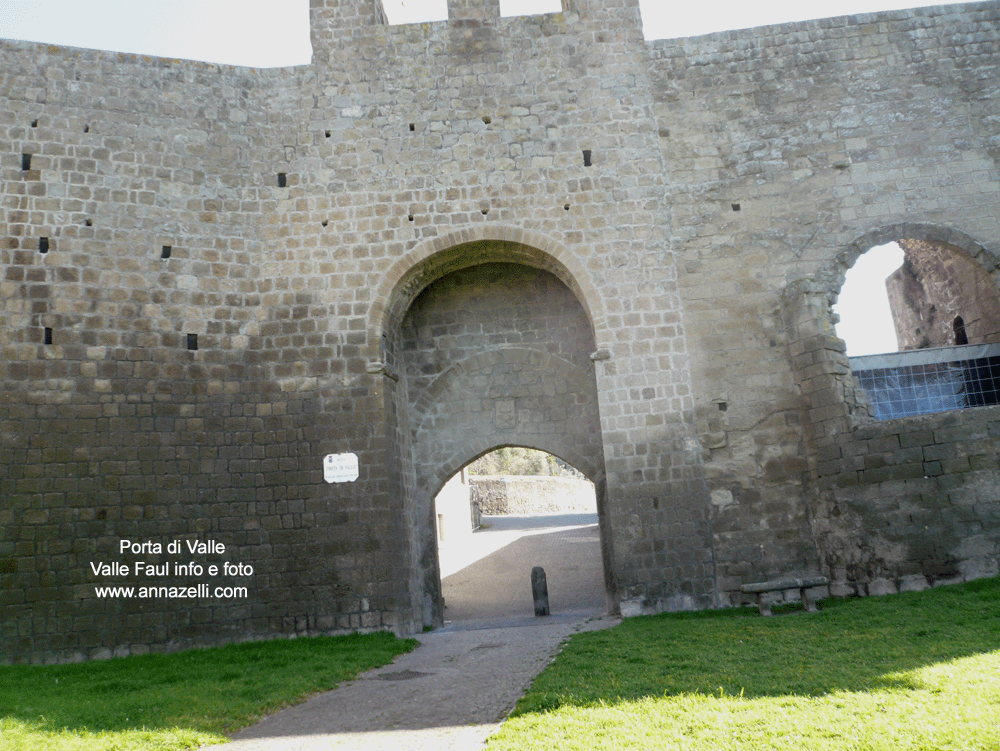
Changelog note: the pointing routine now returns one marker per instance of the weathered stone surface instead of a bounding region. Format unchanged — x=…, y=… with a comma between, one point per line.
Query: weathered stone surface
x=782, y=584
x=532, y=495
x=443, y=238
x=940, y=297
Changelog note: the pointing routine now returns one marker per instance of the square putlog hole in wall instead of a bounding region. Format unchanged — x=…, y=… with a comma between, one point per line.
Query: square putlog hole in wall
x=43, y=245
x=166, y=251
x=192, y=342
x=282, y=180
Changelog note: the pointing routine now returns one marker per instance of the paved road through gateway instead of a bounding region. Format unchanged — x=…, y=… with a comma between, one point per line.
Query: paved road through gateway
x=452, y=691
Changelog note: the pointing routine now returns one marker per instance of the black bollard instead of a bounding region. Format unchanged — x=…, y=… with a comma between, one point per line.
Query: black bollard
x=539, y=591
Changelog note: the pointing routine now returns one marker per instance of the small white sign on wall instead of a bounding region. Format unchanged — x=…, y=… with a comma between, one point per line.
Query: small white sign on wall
x=340, y=467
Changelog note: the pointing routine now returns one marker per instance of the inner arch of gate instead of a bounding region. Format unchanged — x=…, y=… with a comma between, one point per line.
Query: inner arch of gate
x=489, y=343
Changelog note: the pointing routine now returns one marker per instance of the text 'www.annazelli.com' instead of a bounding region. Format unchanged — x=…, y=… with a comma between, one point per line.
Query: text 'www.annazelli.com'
x=200, y=591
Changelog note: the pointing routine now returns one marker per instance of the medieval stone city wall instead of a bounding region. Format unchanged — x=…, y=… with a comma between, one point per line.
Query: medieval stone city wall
x=442, y=238
x=791, y=151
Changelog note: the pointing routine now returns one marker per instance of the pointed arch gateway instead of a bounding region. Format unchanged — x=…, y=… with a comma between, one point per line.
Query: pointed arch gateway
x=485, y=340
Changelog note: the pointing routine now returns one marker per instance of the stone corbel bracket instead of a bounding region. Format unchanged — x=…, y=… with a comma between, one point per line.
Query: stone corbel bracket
x=380, y=368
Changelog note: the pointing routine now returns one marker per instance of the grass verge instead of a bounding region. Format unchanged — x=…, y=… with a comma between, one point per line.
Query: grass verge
x=910, y=671
x=177, y=701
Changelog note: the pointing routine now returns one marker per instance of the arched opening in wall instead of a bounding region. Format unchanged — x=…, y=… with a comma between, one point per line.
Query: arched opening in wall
x=487, y=344
x=502, y=515
x=921, y=321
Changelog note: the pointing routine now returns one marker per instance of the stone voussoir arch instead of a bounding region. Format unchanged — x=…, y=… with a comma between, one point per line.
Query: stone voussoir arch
x=553, y=443
x=833, y=274
x=437, y=256
x=478, y=448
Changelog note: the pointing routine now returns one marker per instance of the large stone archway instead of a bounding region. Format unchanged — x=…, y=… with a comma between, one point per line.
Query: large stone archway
x=431, y=259
x=491, y=347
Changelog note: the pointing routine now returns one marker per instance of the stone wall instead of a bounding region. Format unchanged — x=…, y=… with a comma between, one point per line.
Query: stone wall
x=456, y=519
x=940, y=298
x=791, y=151
x=150, y=181
x=443, y=238
x=521, y=495
x=497, y=354
x=899, y=504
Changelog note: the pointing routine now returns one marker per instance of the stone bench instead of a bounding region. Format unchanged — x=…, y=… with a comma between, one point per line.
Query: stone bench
x=779, y=585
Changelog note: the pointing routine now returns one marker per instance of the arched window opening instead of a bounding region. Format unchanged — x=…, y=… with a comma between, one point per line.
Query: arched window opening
x=934, y=362
x=503, y=514
x=959, y=328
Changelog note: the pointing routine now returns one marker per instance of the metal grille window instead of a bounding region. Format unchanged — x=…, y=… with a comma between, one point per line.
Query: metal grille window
x=923, y=381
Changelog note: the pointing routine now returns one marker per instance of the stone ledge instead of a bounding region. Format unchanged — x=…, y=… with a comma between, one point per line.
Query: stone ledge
x=778, y=584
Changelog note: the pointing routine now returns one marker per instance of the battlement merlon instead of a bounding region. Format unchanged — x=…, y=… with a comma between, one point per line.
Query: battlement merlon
x=336, y=21
x=333, y=22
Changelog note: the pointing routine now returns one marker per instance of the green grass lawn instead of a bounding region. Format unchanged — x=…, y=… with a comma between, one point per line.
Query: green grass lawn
x=177, y=701
x=911, y=671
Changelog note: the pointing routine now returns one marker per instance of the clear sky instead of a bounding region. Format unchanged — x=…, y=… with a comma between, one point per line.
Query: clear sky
x=865, y=320
x=265, y=33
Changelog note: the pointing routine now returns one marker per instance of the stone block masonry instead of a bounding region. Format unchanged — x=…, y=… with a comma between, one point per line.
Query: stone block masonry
x=443, y=238
x=524, y=495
